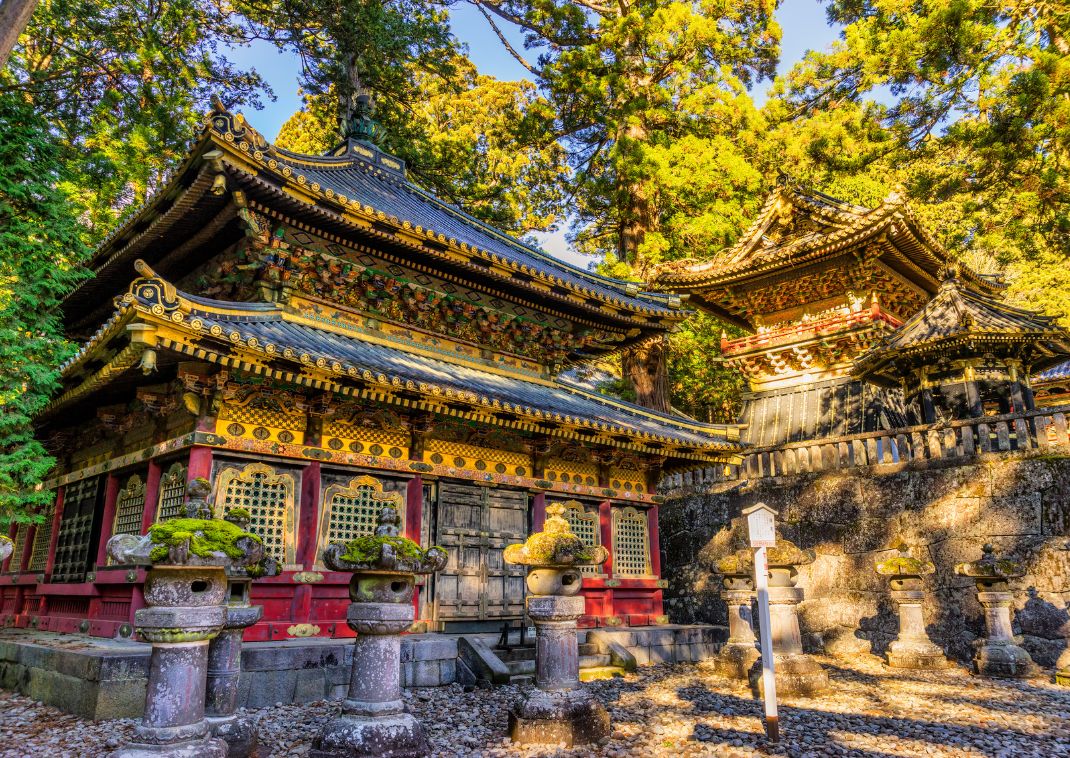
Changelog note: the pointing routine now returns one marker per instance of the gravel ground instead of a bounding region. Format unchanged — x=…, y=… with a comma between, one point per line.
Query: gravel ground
x=679, y=710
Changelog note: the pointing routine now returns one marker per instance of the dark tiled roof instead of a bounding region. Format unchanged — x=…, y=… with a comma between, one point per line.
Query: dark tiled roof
x=955, y=310
x=269, y=326
x=389, y=192
x=1058, y=373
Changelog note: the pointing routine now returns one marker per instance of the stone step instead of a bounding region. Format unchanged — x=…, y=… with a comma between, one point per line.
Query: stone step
x=521, y=667
x=600, y=672
x=520, y=679
x=594, y=661
x=516, y=654
x=588, y=648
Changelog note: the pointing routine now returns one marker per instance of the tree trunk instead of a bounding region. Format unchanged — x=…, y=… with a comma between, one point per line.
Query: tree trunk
x=644, y=367
x=14, y=15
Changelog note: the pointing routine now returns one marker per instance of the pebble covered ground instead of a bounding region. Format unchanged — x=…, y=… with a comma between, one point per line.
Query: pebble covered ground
x=671, y=710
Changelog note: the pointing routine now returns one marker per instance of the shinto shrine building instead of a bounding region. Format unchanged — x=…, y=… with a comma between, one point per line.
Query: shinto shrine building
x=316, y=335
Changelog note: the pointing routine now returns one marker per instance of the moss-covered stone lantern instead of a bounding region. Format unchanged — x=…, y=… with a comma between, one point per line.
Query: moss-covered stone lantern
x=374, y=721
x=912, y=648
x=224, y=652
x=558, y=710
x=997, y=654
x=796, y=672
x=185, y=591
x=740, y=652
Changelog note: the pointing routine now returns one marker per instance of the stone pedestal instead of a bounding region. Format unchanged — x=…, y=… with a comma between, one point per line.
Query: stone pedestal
x=997, y=655
x=559, y=710
x=912, y=648
x=740, y=652
x=224, y=672
x=373, y=721
x=185, y=612
x=796, y=672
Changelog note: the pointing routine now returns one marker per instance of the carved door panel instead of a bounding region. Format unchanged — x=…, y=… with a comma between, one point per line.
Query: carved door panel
x=474, y=525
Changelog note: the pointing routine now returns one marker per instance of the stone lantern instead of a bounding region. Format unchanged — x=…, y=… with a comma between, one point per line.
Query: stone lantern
x=796, y=672
x=185, y=592
x=559, y=709
x=374, y=721
x=224, y=653
x=912, y=648
x=997, y=654
x=741, y=651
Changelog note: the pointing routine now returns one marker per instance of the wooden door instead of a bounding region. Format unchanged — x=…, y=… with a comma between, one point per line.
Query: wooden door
x=474, y=525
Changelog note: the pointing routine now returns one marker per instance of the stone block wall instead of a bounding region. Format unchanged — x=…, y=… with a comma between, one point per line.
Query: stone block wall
x=946, y=512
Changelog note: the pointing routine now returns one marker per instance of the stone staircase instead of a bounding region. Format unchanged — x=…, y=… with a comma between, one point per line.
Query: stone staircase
x=481, y=660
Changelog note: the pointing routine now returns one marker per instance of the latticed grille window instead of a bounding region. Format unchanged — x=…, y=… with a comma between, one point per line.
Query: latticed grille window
x=42, y=536
x=584, y=524
x=21, y=533
x=130, y=507
x=75, y=531
x=172, y=493
x=350, y=511
x=269, y=498
x=631, y=545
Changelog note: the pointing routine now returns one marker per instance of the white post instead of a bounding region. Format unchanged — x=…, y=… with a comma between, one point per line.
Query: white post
x=761, y=525
x=761, y=581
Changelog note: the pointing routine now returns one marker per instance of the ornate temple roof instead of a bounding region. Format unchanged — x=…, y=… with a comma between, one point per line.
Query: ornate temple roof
x=958, y=319
x=1058, y=373
x=359, y=193
x=271, y=340
x=796, y=228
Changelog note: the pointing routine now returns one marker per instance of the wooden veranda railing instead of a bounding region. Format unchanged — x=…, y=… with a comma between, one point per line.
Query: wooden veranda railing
x=1045, y=429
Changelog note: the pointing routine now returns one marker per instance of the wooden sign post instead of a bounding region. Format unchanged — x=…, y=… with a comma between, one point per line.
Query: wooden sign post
x=761, y=526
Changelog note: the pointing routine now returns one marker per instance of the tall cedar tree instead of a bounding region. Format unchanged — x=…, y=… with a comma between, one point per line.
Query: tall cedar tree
x=650, y=100
x=41, y=247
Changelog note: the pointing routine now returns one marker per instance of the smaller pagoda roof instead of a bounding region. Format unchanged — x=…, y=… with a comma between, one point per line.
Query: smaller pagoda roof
x=958, y=318
x=797, y=227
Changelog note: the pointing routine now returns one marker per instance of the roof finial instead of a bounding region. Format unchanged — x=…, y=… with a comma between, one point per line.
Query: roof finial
x=361, y=125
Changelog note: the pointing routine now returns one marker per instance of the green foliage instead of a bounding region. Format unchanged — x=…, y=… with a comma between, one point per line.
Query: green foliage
x=701, y=385
x=976, y=101
x=41, y=249
x=123, y=86
x=206, y=537
x=369, y=549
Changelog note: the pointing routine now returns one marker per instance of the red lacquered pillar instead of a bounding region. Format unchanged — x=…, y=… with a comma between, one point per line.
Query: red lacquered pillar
x=414, y=517
x=111, y=495
x=538, y=512
x=152, y=495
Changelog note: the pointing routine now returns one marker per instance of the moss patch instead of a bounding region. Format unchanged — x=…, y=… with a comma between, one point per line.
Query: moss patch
x=550, y=548
x=904, y=564
x=205, y=536
x=369, y=549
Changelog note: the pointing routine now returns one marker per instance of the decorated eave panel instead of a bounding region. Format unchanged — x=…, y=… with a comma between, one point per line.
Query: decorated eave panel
x=265, y=339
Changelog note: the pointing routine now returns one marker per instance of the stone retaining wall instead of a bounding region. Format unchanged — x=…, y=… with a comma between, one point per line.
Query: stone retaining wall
x=946, y=509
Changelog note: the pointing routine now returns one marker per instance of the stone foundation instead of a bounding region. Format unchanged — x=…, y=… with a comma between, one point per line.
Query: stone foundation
x=946, y=508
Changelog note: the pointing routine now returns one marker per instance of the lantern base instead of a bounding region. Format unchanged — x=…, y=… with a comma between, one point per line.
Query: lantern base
x=237, y=731
x=797, y=675
x=1003, y=661
x=735, y=660
x=920, y=656
x=398, y=735
x=206, y=748
x=572, y=717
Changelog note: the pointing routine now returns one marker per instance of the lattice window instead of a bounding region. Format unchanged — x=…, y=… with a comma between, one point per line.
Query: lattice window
x=42, y=536
x=129, y=507
x=172, y=493
x=584, y=524
x=75, y=531
x=269, y=498
x=631, y=545
x=21, y=533
x=350, y=511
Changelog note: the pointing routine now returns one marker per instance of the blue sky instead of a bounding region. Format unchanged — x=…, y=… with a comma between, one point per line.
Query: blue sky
x=802, y=21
